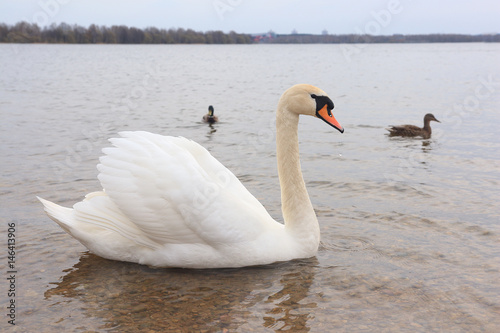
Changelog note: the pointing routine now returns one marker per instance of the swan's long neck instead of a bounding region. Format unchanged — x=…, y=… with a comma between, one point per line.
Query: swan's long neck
x=296, y=206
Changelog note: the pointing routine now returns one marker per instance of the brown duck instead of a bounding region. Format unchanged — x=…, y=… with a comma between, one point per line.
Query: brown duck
x=209, y=117
x=412, y=130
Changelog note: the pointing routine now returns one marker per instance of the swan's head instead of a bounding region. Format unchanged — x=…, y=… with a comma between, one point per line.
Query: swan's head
x=310, y=100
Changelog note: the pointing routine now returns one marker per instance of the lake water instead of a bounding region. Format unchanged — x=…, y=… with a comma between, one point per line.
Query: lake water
x=410, y=227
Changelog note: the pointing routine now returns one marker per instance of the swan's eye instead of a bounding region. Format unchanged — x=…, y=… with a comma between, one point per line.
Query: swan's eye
x=322, y=101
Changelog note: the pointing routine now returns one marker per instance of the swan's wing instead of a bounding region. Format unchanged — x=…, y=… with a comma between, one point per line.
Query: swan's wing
x=176, y=192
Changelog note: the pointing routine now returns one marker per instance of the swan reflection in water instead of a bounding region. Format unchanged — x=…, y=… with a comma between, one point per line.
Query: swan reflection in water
x=131, y=297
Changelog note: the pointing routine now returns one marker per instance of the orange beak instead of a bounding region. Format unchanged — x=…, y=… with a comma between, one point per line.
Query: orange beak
x=328, y=117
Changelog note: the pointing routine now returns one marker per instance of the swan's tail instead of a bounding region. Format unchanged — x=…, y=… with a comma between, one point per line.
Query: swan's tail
x=61, y=215
x=89, y=218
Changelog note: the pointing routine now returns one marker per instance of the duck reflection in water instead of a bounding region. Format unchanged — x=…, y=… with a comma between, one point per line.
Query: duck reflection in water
x=129, y=297
x=212, y=129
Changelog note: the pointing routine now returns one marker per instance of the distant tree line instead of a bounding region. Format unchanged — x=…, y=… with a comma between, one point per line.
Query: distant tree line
x=24, y=32
x=353, y=38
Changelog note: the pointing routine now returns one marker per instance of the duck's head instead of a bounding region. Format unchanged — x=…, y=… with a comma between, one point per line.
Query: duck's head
x=310, y=100
x=210, y=110
x=430, y=117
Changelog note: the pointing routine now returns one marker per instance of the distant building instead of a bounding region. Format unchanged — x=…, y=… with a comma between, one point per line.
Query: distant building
x=263, y=37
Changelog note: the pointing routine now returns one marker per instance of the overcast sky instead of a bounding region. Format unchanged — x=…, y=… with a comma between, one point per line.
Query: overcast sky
x=255, y=16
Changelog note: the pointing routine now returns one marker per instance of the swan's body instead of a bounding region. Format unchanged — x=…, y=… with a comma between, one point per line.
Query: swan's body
x=209, y=117
x=412, y=130
x=167, y=202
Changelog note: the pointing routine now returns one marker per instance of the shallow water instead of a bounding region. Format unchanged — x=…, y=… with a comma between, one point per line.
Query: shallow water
x=410, y=227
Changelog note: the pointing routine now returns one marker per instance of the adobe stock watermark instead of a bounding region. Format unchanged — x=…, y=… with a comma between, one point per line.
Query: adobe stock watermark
x=471, y=104
x=486, y=87
x=381, y=19
x=207, y=192
x=94, y=137
x=223, y=6
x=11, y=272
x=49, y=9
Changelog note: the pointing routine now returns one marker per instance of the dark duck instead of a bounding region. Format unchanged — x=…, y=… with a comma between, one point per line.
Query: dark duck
x=412, y=130
x=209, y=117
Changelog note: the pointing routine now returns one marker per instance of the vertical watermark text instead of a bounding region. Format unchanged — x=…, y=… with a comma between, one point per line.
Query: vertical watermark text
x=11, y=273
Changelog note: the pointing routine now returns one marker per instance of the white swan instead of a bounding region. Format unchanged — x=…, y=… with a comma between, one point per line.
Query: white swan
x=167, y=202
